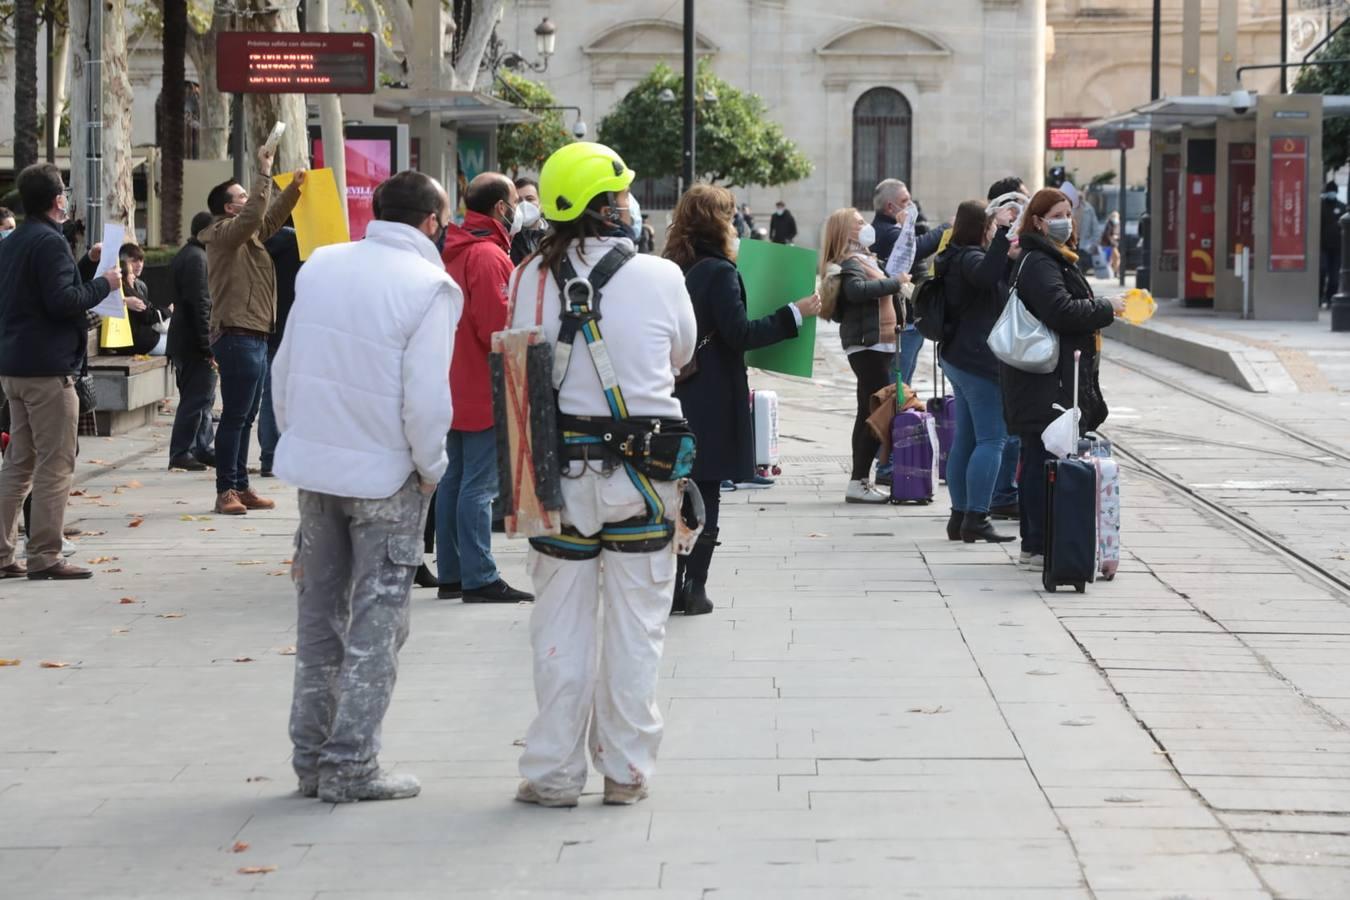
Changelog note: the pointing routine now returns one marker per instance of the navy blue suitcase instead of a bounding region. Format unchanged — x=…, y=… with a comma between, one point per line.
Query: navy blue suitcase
x=1070, y=524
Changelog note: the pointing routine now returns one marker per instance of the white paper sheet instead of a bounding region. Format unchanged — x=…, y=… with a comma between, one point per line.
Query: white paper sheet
x=113, y=306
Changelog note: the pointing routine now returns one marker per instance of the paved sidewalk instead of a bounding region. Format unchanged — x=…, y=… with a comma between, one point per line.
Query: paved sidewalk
x=871, y=712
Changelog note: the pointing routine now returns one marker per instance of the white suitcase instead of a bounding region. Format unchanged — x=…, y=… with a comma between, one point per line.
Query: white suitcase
x=764, y=413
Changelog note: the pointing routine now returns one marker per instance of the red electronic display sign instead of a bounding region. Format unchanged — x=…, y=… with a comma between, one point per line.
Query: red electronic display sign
x=1071, y=134
x=1288, y=204
x=1241, y=198
x=264, y=62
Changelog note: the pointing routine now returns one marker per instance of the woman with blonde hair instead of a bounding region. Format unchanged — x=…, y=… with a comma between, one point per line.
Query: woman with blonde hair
x=714, y=389
x=866, y=304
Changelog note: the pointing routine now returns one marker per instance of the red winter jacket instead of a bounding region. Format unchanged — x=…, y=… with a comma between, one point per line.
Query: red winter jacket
x=477, y=256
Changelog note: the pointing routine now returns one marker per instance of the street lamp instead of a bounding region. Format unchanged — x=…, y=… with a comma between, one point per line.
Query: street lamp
x=545, y=40
x=545, y=37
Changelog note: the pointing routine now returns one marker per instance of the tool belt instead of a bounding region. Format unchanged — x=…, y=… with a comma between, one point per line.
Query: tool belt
x=662, y=449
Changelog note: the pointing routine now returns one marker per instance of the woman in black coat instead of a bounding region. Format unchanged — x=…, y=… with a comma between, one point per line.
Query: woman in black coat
x=716, y=397
x=1054, y=290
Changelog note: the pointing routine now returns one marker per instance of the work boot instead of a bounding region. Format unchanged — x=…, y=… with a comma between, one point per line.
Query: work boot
x=975, y=526
x=623, y=794
x=696, y=564
x=954, y=525
x=528, y=793
x=860, y=491
x=379, y=786
x=253, y=501
x=229, y=504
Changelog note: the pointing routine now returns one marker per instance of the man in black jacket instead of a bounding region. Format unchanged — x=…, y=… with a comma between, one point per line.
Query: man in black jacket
x=43, y=340
x=782, y=226
x=190, y=350
x=284, y=248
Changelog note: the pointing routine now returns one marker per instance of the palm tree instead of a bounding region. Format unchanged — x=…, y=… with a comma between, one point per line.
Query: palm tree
x=172, y=125
x=25, y=84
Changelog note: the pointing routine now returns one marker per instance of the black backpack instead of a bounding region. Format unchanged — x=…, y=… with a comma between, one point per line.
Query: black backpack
x=930, y=305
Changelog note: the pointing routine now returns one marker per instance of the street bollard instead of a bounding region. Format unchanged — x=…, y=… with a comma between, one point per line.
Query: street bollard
x=1340, y=304
x=1141, y=272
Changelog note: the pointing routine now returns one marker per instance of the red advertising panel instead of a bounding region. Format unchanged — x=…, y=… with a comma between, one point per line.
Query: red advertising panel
x=372, y=156
x=1288, y=204
x=1070, y=133
x=1241, y=198
x=263, y=62
x=1199, y=237
x=1171, y=211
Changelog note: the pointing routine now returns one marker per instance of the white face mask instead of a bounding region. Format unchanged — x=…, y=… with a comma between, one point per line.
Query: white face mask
x=867, y=236
x=527, y=216
x=635, y=211
x=1059, y=230
x=735, y=247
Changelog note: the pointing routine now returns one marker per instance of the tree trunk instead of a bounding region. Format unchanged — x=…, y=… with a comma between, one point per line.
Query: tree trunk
x=474, y=44
x=79, y=104
x=265, y=110
x=61, y=66
x=387, y=62
x=26, y=132
x=214, y=127
x=119, y=200
x=173, y=127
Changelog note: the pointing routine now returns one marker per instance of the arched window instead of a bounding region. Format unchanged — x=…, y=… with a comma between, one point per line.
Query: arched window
x=881, y=142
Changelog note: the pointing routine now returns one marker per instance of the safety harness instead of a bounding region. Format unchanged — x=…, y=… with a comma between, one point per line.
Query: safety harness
x=647, y=449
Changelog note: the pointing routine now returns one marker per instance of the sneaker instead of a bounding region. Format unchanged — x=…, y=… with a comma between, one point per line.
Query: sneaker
x=229, y=504
x=497, y=592
x=528, y=793
x=450, y=591
x=1033, y=562
x=187, y=463
x=68, y=548
x=623, y=794
x=380, y=786
x=756, y=483
x=253, y=501
x=62, y=571
x=728, y=486
x=862, y=492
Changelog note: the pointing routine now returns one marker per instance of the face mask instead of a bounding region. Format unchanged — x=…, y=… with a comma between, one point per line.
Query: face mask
x=6, y=232
x=867, y=236
x=439, y=239
x=735, y=246
x=1059, y=230
x=527, y=216
x=509, y=220
x=635, y=211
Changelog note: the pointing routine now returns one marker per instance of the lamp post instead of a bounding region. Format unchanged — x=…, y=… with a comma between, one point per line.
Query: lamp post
x=687, y=171
x=545, y=42
x=1340, y=304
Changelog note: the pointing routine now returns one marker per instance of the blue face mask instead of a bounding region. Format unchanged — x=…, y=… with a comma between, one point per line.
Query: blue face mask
x=5, y=232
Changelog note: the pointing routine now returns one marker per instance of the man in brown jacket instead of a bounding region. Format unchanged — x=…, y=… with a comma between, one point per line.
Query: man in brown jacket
x=243, y=313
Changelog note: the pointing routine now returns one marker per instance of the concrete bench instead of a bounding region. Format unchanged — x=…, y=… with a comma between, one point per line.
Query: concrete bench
x=128, y=391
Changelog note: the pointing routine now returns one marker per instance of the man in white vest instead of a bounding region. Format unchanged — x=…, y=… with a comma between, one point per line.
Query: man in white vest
x=363, y=405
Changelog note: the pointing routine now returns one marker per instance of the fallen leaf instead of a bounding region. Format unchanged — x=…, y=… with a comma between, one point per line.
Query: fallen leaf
x=78, y=492
x=91, y=534
x=287, y=651
x=282, y=572
x=187, y=518
x=169, y=616
x=128, y=600
x=254, y=778
x=98, y=462
x=287, y=562
x=53, y=664
x=10, y=662
x=243, y=659
x=136, y=522
x=111, y=571
x=100, y=560
x=817, y=534
x=205, y=530
x=133, y=484
x=257, y=870
x=249, y=562
x=239, y=847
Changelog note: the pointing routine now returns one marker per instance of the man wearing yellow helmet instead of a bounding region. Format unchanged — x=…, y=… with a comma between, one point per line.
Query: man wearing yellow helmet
x=624, y=444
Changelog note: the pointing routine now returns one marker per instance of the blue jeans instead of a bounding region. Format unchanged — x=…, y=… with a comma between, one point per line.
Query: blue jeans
x=1005, y=487
x=977, y=449
x=911, y=342
x=267, y=419
x=464, y=510
x=242, y=360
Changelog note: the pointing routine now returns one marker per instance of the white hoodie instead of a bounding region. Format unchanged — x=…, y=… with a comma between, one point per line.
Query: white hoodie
x=361, y=385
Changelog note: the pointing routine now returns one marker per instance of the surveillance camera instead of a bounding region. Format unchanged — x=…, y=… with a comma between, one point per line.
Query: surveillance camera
x=579, y=130
x=1241, y=101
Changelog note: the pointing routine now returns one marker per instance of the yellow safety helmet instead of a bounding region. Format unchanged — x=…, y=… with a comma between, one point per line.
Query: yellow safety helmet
x=575, y=175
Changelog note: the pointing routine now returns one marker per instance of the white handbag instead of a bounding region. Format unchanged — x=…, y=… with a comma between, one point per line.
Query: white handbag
x=1023, y=341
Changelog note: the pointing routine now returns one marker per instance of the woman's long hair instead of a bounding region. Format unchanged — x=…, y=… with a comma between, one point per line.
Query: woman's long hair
x=838, y=243
x=970, y=225
x=702, y=218
x=1045, y=200
x=562, y=235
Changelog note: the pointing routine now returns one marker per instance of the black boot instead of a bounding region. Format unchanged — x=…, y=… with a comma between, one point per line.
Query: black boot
x=977, y=527
x=677, y=601
x=954, y=525
x=696, y=602
x=424, y=578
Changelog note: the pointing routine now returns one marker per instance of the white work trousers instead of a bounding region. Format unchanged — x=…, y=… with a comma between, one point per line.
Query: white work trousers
x=613, y=690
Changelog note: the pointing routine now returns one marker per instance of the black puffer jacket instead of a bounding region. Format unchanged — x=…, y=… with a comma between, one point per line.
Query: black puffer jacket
x=858, y=314
x=1055, y=292
x=971, y=279
x=190, y=328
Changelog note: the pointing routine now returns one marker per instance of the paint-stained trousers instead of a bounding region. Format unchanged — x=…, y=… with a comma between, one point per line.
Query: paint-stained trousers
x=353, y=573
x=613, y=693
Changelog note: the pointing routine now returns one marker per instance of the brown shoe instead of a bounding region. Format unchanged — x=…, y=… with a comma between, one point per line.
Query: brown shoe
x=253, y=501
x=62, y=571
x=14, y=570
x=229, y=504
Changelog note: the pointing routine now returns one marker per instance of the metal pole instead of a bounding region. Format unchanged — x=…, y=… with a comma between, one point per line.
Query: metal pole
x=53, y=114
x=93, y=73
x=238, y=138
x=1124, y=217
x=1340, y=304
x=1284, y=46
x=1156, y=59
x=687, y=169
x=1142, y=274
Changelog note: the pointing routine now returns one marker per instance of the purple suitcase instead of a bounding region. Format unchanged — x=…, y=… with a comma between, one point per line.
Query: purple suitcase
x=943, y=408
x=914, y=454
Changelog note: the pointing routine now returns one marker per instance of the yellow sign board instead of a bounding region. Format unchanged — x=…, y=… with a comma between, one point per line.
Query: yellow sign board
x=319, y=217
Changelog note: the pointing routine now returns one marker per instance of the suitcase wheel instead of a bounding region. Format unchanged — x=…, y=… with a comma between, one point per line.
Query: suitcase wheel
x=778, y=470
x=1080, y=587
x=1111, y=577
